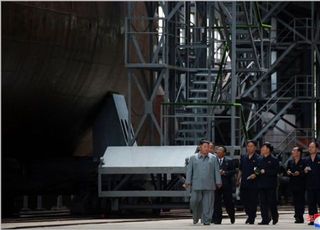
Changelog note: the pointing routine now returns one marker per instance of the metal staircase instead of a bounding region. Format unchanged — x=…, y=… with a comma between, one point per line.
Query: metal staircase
x=212, y=83
x=272, y=110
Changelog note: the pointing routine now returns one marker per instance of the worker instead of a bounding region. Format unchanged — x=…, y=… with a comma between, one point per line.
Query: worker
x=312, y=172
x=227, y=172
x=203, y=177
x=248, y=182
x=296, y=174
x=212, y=148
x=268, y=169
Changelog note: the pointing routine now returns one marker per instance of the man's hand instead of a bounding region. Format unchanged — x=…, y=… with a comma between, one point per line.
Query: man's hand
x=252, y=177
x=289, y=172
x=296, y=173
x=222, y=172
x=307, y=169
x=262, y=171
x=186, y=186
x=219, y=185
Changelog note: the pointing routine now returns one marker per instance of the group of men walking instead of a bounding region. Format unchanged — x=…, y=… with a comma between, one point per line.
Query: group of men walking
x=211, y=176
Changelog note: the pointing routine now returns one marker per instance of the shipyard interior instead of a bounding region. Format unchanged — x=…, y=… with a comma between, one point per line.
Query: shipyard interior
x=103, y=103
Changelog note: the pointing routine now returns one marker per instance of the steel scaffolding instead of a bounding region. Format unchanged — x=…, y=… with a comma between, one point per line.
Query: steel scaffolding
x=227, y=69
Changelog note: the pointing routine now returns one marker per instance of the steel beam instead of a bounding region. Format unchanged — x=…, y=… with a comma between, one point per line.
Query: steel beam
x=270, y=70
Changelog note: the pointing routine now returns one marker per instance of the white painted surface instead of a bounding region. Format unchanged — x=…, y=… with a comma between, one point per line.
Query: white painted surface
x=147, y=156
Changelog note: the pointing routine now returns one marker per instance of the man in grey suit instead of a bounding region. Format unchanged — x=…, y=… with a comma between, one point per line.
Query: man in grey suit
x=203, y=177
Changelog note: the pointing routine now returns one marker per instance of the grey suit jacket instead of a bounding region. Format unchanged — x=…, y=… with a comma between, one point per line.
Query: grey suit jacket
x=203, y=173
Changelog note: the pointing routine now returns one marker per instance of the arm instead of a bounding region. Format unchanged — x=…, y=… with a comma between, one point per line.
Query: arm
x=189, y=172
x=239, y=173
x=288, y=170
x=217, y=173
x=238, y=181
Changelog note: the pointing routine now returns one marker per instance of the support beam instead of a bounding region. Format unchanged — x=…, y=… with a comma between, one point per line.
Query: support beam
x=270, y=70
x=233, y=74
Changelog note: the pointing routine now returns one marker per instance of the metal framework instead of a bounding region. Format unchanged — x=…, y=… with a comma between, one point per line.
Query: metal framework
x=228, y=71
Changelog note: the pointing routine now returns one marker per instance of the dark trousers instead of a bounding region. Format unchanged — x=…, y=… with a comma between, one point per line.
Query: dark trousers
x=249, y=199
x=224, y=193
x=313, y=198
x=268, y=203
x=298, y=202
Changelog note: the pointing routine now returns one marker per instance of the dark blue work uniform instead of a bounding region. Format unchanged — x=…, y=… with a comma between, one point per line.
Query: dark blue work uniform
x=297, y=187
x=267, y=184
x=313, y=184
x=225, y=192
x=249, y=188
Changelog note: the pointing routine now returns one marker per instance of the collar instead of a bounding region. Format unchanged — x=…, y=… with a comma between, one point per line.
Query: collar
x=202, y=156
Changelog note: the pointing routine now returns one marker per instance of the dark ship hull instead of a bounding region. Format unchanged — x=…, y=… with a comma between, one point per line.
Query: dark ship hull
x=59, y=61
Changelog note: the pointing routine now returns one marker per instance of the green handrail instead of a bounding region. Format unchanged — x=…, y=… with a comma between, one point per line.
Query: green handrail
x=263, y=25
x=223, y=60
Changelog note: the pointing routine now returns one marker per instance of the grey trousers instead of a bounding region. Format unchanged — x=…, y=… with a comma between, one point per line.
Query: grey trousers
x=201, y=204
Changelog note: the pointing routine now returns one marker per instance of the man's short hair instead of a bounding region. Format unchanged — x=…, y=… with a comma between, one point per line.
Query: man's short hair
x=204, y=141
x=268, y=145
x=255, y=143
x=315, y=142
x=224, y=148
x=299, y=149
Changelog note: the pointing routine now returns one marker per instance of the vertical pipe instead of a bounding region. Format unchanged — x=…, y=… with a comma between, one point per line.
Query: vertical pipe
x=25, y=205
x=130, y=136
x=233, y=76
x=127, y=33
x=313, y=73
x=39, y=202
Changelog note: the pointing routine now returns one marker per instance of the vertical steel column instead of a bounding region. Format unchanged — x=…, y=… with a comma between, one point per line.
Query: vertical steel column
x=127, y=58
x=313, y=73
x=233, y=76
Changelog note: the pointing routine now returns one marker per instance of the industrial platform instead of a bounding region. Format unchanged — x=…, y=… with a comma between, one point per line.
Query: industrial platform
x=180, y=221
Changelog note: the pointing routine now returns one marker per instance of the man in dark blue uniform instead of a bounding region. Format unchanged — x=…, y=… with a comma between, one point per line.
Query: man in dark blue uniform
x=227, y=172
x=268, y=168
x=312, y=171
x=295, y=171
x=248, y=182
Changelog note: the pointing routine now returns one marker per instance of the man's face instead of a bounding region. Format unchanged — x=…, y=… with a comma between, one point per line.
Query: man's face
x=312, y=148
x=204, y=148
x=211, y=148
x=220, y=152
x=251, y=148
x=295, y=153
x=265, y=151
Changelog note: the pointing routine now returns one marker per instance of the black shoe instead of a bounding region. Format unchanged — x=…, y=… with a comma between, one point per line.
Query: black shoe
x=195, y=221
x=311, y=223
x=299, y=221
x=206, y=223
x=275, y=221
x=263, y=223
x=232, y=220
x=248, y=221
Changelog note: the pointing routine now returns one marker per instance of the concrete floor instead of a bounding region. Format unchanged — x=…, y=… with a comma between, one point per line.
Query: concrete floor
x=285, y=222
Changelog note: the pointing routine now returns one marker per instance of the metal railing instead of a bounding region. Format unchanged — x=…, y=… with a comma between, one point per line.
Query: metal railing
x=296, y=137
x=204, y=118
